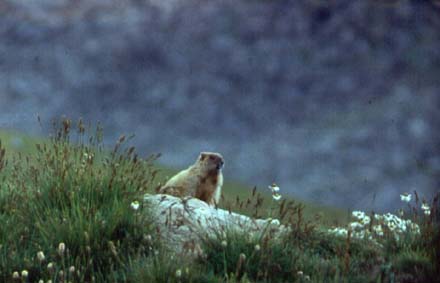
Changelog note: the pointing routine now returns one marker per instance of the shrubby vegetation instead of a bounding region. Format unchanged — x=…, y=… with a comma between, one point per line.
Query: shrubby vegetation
x=71, y=212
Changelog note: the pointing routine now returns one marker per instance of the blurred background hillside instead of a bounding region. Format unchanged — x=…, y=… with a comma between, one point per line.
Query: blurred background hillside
x=336, y=101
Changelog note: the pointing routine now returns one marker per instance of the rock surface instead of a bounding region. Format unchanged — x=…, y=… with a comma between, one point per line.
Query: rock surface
x=184, y=222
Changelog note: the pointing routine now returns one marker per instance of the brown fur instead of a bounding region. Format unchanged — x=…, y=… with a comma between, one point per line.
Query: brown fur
x=202, y=180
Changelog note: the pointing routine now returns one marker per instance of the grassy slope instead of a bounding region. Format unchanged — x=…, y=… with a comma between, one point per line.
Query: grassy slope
x=18, y=142
x=65, y=194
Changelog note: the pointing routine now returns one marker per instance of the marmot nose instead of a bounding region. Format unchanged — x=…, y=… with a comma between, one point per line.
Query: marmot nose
x=220, y=165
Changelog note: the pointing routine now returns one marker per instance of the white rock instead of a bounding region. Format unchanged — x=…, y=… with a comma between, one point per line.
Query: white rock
x=182, y=223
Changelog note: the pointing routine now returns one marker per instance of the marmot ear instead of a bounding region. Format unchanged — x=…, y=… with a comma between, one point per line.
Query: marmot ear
x=202, y=156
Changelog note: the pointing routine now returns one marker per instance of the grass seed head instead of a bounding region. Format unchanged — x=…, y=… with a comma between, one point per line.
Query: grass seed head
x=40, y=256
x=61, y=249
x=24, y=273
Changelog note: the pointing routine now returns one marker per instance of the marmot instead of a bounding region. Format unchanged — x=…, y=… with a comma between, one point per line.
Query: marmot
x=202, y=180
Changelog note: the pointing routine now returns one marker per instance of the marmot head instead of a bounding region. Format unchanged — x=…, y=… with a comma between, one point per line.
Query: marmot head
x=211, y=160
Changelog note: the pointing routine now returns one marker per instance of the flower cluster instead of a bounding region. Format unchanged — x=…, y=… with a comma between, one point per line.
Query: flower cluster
x=362, y=228
x=396, y=225
x=275, y=191
x=338, y=231
x=406, y=197
x=426, y=209
x=63, y=275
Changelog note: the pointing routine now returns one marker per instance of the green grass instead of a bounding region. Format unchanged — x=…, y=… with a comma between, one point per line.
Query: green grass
x=235, y=194
x=70, y=199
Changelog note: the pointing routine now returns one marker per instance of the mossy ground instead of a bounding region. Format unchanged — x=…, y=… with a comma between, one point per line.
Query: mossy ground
x=68, y=213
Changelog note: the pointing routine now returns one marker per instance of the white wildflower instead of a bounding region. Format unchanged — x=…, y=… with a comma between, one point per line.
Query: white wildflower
x=178, y=273
x=358, y=214
x=257, y=247
x=135, y=205
x=224, y=244
x=338, y=231
x=388, y=217
x=405, y=197
x=378, y=230
x=15, y=275
x=359, y=234
x=356, y=225
x=392, y=226
x=274, y=188
x=414, y=228
x=276, y=197
x=275, y=222
x=365, y=220
x=275, y=192
x=426, y=209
